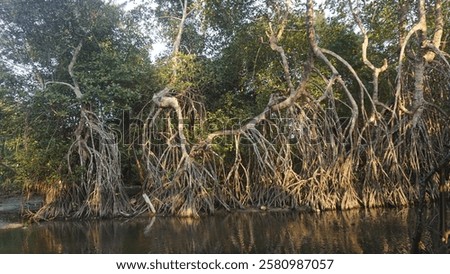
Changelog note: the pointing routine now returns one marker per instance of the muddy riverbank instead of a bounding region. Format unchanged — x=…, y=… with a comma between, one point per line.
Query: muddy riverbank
x=12, y=207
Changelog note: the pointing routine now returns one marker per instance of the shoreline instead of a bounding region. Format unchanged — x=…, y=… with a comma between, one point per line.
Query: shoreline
x=11, y=208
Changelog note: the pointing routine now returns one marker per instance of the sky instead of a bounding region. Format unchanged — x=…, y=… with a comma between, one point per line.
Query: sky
x=157, y=47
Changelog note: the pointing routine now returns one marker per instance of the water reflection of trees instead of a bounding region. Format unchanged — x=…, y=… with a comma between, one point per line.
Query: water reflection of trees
x=354, y=231
x=74, y=237
x=429, y=238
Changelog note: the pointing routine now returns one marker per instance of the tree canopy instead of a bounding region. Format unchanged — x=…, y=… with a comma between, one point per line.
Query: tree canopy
x=286, y=104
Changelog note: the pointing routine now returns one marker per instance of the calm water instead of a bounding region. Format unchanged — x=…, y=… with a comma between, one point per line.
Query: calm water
x=356, y=231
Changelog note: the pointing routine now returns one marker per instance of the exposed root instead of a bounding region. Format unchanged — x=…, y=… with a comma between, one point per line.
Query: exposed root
x=301, y=150
x=96, y=187
x=323, y=151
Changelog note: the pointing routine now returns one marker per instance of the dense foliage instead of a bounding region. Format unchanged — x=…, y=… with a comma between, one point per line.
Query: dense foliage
x=253, y=103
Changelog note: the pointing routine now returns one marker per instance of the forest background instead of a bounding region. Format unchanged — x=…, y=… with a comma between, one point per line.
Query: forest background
x=268, y=103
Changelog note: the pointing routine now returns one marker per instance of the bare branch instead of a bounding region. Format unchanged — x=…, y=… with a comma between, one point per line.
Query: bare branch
x=367, y=62
x=319, y=53
x=177, y=42
x=59, y=83
x=438, y=32
x=76, y=87
x=273, y=39
x=418, y=27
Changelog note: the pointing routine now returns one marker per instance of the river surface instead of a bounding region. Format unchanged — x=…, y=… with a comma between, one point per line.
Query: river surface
x=349, y=232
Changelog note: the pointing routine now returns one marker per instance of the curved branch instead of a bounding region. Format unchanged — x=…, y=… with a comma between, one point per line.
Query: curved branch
x=59, y=83
x=350, y=68
x=75, y=87
x=273, y=40
x=172, y=102
x=367, y=62
x=417, y=27
x=320, y=54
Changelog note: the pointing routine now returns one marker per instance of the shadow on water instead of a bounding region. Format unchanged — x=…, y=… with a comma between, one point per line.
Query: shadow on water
x=355, y=231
